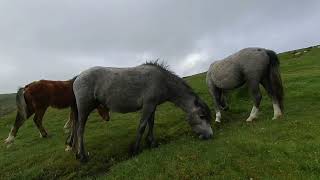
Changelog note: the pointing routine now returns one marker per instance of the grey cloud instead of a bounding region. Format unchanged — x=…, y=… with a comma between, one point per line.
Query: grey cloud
x=58, y=39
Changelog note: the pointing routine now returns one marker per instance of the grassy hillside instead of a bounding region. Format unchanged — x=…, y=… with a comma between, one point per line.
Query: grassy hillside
x=286, y=149
x=7, y=103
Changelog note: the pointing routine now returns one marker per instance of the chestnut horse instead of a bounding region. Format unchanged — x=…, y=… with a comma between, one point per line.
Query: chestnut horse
x=36, y=97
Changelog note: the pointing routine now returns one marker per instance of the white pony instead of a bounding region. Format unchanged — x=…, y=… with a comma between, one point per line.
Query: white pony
x=253, y=66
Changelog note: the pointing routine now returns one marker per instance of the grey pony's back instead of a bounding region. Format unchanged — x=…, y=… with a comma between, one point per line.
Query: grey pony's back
x=275, y=78
x=123, y=89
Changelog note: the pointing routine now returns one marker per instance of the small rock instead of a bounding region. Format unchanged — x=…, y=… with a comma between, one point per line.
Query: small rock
x=297, y=54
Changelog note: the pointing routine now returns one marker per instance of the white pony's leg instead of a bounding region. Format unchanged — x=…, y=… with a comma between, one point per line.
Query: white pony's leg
x=253, y=114
x=218, y=116
x=9, y=139
x=276, y=111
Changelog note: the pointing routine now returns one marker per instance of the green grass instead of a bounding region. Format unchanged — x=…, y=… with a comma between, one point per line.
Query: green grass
x=7, y=103
x=265, y=149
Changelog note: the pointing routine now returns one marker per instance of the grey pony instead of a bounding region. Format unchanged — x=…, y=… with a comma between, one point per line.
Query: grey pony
x=131, y=89
x=253, y=66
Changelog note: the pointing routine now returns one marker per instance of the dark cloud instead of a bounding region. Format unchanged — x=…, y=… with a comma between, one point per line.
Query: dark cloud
x=58, y=39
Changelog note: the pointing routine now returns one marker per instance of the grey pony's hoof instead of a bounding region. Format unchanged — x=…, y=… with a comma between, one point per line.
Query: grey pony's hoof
x=82, y=158
x=277, y=116
x=152, y=144
x=45, y=135
x=134, y=150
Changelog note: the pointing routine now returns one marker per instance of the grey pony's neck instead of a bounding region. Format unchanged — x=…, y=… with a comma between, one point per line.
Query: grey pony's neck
x=184, y=100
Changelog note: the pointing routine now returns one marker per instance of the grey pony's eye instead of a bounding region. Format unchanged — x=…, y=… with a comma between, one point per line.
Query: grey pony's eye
x=202, y=117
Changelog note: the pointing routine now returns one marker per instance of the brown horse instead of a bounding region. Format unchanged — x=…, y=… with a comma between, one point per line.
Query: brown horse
x=36, y=97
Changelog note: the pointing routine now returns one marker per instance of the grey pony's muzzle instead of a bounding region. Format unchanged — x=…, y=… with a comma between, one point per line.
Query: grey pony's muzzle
x=206, y=136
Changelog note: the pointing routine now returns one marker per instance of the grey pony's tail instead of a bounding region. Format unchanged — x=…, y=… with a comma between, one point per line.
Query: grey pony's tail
x=275, y=78
x=21, y=104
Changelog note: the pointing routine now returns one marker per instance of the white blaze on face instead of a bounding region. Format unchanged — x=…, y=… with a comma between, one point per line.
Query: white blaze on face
x=253, y=114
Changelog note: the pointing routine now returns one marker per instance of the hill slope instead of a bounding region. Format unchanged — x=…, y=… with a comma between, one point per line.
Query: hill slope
x=288, y=148
x=7, y=103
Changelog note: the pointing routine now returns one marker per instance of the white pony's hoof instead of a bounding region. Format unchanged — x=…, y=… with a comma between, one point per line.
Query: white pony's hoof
x=278, y=116
x=68, y=148
x=250, y=119
x=218, y=121
x=9, y=140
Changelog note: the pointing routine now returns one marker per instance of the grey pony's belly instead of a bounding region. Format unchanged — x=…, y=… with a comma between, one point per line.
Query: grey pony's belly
x=124, y=106
x=227, y=75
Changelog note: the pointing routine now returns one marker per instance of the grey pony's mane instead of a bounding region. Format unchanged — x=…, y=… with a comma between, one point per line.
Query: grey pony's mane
x=165, y=68
x=161, y=65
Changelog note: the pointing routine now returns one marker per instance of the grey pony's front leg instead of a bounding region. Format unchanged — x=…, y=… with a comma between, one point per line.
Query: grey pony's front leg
x=216, y=95
x=150, y=137
x=147, y=112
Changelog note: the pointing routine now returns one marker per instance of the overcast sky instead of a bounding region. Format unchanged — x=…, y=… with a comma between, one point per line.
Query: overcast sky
x=57, y=39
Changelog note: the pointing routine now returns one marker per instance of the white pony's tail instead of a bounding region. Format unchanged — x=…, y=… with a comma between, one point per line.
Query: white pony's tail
x=275, y=78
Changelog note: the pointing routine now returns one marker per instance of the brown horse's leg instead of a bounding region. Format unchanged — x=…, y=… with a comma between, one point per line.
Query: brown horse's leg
x=14, y=130
x=70, y=129
x=68, y=124
x=38, y=121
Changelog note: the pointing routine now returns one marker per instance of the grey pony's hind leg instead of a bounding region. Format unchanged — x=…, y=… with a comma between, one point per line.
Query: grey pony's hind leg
x=276, y=107
x=256, y=96
x=147, y=111
x=82, y=119
x=150, y=137
x=38, y=121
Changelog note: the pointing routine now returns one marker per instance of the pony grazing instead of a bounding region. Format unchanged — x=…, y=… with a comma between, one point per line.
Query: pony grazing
x=253, y=66
x=37, y=96
x=142, y=88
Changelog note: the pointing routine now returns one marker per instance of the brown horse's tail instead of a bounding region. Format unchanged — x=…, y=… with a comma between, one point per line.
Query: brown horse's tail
x=275, y=78
x=21, y=104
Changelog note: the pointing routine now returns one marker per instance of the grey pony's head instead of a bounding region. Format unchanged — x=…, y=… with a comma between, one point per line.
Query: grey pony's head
x=200, y=119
